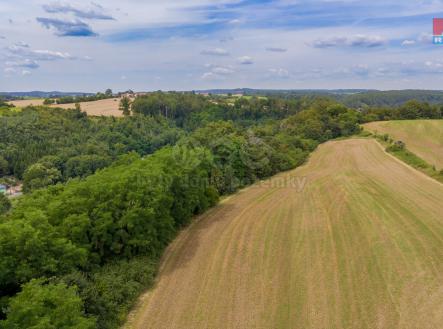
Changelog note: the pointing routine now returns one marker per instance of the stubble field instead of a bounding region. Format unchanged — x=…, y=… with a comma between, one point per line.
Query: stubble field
x=106, y=107
x=353, y=239
x=422, y=137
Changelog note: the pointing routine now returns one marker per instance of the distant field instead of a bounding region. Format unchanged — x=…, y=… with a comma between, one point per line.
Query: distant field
x=422, y=137
x=107, y=107
x=360, y=246
x=27, y=102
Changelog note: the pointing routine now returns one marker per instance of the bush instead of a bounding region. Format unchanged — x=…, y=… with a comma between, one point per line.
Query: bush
x=49, y=101
x=397, y=146
x=111, y=291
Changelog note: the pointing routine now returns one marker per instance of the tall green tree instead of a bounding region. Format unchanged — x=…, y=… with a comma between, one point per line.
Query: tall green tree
x=5, y=204
x=125, y=105
x=42, y=305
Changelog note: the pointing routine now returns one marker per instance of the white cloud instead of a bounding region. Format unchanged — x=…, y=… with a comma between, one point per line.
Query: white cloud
x=95, y=11
x=408, y=43
x=245, y=60
x=9, y=70
x=279, y=73
x=358, y=40
x=222, y=70
x=209, y=76
x=276, y=49
x=215, y=52
x=235, y=21
x=27, y=63
x=217, y=72
x=23, y=50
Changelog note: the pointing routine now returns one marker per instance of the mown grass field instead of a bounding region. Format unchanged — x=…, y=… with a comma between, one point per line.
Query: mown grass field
x=422, y=137
x=354, y=239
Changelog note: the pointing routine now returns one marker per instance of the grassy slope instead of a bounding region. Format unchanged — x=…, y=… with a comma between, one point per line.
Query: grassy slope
x=422, y=137
x=360, y=247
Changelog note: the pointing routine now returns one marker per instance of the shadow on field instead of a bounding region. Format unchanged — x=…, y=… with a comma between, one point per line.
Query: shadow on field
x=185, y=246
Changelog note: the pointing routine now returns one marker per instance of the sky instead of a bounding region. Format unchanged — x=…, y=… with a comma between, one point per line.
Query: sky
x=202, y=44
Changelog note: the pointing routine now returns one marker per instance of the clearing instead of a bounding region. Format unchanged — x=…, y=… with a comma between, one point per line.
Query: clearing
x=107, y=107
x=422, y=137
x=353, y=239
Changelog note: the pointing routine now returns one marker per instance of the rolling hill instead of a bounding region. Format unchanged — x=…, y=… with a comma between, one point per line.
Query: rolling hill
x=353, y=239
x=422, y=137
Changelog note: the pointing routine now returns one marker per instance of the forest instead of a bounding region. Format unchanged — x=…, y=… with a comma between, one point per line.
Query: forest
x=105, y=196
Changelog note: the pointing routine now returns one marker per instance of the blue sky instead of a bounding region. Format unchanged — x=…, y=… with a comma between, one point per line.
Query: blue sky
x=198, y=44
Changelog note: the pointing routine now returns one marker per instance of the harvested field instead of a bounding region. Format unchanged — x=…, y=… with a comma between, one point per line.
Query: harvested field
x=354, y=239
x=422, y=137
x=27, y=102
x=107, y=107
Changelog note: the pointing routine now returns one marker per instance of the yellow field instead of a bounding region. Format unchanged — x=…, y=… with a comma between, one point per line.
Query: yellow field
x=27, y=102
x=107, y=107
x=358, y=244
x=422, y=137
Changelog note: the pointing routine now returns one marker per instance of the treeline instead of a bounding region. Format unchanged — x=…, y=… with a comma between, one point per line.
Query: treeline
x=77, y=255
x=409, y=111
x=78, y=99
x=392, y=98
x=44, y=146
x=190, y=110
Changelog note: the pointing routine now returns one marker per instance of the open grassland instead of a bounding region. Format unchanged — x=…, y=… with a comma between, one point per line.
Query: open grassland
x=356, y=243
x=106, y=107
x=422, y=137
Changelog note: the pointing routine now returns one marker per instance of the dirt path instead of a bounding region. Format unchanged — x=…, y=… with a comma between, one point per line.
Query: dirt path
x=360, y=246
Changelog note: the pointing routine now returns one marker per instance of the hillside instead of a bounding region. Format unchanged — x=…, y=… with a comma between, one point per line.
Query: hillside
x=355, y=98
x=391, y=98
x=353, y=242
x=422, y=137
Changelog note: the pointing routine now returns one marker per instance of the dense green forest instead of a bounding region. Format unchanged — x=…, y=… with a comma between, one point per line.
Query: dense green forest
x=44, y=146
x=355, y=98
x=408, y=111
x=105, y=196
x=390, y=98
